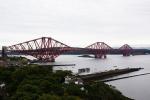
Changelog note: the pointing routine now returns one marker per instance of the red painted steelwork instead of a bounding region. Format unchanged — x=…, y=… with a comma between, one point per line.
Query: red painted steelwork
x=44, y=49
x=99, y=49
x=126, y=50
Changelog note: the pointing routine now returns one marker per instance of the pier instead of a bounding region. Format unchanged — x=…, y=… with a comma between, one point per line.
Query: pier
x=108, y=74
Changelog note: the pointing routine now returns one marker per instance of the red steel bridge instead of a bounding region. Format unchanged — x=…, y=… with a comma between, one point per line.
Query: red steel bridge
x=44, y=49
x=47, y=49
x=126, y=50
x=99, y=49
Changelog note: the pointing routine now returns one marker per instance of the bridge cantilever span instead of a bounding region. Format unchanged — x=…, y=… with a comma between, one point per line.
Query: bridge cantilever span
x=99, y=49
x=44, y=49
x=126, y=50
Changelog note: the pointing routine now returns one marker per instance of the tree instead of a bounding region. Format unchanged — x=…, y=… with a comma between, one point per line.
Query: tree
x=49, y=97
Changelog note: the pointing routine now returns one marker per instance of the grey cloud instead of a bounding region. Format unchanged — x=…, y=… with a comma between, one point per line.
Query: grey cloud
x=112, y=21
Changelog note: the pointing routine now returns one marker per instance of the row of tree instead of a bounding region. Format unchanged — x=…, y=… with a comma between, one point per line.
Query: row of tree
x=35, y=82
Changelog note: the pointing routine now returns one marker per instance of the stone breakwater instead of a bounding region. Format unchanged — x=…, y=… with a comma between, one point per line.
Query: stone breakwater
x=107, y=74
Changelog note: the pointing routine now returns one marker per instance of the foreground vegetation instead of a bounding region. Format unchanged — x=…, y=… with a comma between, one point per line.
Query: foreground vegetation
x=35, y=82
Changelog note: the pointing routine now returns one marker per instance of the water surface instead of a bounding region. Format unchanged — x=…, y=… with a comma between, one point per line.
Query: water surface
x=135, y=87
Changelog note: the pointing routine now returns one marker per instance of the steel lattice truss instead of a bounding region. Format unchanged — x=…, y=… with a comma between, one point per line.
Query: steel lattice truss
x=99, y=49
x=126, y=50
x=45, y=48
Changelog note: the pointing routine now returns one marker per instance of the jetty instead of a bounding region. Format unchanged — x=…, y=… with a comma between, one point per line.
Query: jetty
x=107, y=74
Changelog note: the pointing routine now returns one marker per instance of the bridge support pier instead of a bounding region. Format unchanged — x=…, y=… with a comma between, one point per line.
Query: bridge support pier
x=100, y=56
x=47, y=59
x=126, y=54
x=52, y=59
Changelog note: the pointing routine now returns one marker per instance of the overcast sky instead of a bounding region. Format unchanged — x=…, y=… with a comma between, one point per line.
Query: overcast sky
x=76, y=22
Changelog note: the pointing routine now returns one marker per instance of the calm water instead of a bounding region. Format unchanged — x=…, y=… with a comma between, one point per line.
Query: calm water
x=136, y=87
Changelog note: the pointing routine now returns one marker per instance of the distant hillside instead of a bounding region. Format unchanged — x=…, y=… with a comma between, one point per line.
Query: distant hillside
x=113, y=51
